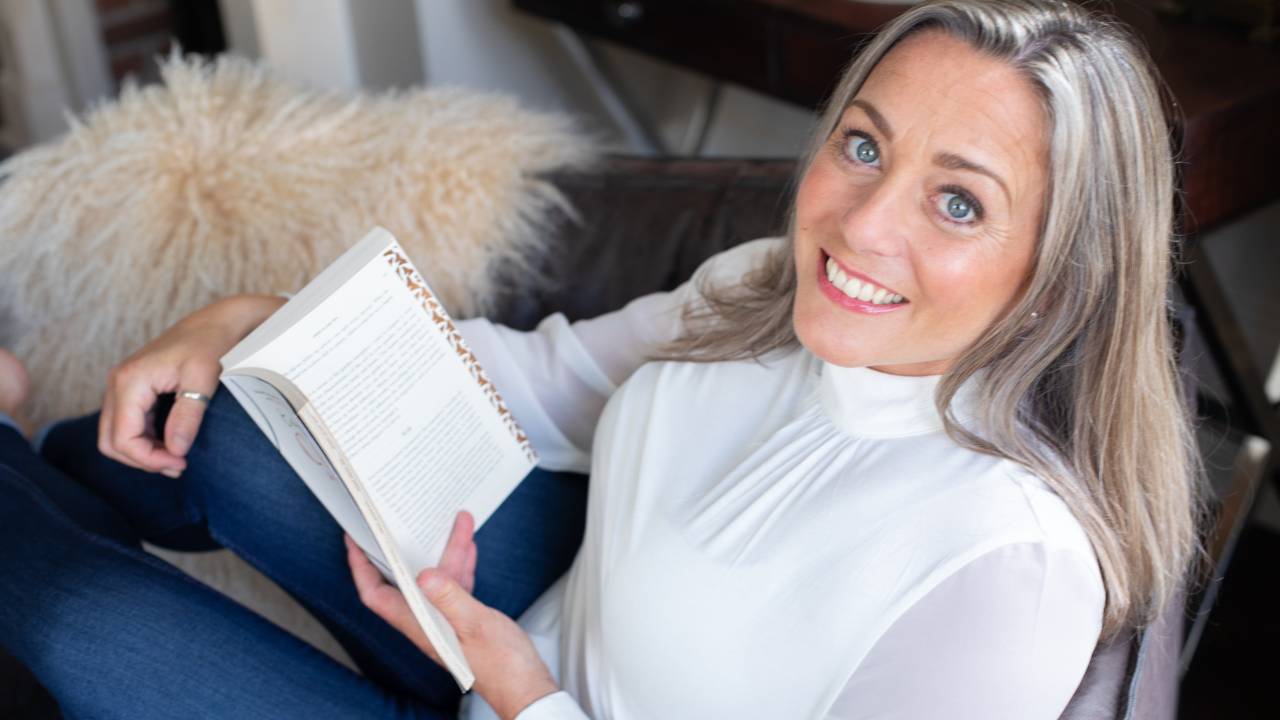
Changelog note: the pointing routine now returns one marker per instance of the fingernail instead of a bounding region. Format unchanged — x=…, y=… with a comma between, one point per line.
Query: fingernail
x=181, y=444
x=171, y=472
x=434, y=583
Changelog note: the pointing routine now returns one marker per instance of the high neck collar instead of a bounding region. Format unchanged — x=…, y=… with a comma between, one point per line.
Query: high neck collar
x=869, y=403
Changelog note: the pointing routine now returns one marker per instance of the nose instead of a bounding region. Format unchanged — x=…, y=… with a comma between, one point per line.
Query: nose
x=877, y=216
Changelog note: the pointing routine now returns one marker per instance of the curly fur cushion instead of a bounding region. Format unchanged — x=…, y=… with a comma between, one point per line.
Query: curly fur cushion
x=225, y=179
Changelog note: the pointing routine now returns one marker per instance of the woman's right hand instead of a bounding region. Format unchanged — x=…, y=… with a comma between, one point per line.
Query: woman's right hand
x=184, y=357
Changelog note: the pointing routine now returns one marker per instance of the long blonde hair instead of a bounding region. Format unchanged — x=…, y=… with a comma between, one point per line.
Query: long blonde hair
x=1087, y=396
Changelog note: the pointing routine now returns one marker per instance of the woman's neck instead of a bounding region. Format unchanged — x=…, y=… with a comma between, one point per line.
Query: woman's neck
x=931, y=367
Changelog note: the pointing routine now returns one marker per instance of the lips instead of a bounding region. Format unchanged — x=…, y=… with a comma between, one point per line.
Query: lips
x=857, y=305
x=857, y=285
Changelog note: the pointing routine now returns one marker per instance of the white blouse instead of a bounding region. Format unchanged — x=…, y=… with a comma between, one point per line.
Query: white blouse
x=784, y=539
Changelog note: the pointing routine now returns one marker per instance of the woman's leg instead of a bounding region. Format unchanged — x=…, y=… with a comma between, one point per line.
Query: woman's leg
x=239, y=493
x=113, y=631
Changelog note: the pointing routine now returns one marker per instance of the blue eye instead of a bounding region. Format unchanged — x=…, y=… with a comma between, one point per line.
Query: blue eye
x=863, y=149
x=957, y=208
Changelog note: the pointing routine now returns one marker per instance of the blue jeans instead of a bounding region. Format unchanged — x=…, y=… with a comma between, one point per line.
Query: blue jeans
x=113, y=631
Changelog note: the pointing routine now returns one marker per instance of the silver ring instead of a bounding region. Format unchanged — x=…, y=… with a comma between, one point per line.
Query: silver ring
x=193, y=395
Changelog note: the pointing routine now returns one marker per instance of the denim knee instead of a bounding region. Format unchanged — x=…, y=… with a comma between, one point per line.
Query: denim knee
x=232, y=467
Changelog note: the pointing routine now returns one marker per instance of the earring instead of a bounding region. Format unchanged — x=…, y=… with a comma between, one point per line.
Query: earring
x=1035, y=315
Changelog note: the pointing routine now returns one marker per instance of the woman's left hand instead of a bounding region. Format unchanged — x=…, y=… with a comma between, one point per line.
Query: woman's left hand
x=509, y=673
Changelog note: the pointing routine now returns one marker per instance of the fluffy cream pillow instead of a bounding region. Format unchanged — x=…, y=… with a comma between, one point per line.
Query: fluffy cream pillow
x=225, y=179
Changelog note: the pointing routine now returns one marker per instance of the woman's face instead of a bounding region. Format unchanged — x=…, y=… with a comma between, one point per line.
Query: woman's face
x=928, y=192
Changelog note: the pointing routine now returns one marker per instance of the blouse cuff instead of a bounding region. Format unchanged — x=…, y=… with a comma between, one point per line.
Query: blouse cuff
x=556, y=706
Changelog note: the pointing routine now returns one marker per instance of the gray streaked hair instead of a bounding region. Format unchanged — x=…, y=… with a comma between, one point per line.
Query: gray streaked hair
x=1088, y=396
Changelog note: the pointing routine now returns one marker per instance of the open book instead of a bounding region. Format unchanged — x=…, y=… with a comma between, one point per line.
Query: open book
x=365, y=385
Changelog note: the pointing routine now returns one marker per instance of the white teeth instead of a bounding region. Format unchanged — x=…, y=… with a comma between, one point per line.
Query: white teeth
x=859, y=289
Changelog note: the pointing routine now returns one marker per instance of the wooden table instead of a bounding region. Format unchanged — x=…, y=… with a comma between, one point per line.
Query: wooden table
x=1226, y=90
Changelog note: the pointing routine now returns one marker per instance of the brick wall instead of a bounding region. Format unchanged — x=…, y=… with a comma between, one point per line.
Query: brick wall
x=135, y=32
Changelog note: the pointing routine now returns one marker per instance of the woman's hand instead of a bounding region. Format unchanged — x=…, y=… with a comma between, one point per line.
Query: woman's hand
x=509, y=673
x=184, y=357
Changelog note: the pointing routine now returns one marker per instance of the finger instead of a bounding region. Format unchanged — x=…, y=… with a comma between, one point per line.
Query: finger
x=463, y=565
x=375, y=592
x=455, y=603
x=184, y=419
x=468, y=578
x=469, y=573
x=382, y=598
x=363, y=572
x=104, y=428
x=106, y=425
x=453, y=560
x=129, y=434
x=389, y=605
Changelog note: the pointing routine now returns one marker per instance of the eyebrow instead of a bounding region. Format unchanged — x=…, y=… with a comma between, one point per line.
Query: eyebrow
x=951, y=161
x=876, y=118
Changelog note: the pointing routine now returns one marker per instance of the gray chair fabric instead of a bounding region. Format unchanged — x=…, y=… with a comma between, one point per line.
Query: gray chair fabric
x=1154, y=677
x=1134, y=677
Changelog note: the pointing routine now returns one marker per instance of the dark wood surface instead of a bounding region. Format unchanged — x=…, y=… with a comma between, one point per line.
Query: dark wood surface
x=1226, y=89
x=1228, y=92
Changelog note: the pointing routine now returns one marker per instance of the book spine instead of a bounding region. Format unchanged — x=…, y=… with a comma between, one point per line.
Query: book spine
x=434, y=625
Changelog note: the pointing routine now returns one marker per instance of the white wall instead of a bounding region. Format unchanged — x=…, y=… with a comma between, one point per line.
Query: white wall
x=387, y=48
x=239, y=27
x=342, y=44
x=52, y=61
x=487, y=44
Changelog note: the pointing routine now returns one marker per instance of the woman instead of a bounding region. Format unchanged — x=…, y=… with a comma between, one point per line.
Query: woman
x=914, y=459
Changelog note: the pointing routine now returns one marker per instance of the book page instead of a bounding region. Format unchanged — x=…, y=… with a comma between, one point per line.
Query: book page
x=412, y=420
x=369, y=361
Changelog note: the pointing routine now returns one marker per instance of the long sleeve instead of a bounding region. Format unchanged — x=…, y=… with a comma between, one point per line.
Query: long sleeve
x=557, y=378
x=556, y=706
x=1009, y=635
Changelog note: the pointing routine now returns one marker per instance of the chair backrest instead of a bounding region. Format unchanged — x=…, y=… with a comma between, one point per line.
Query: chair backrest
x=1102, y=692
x=1135, y=676
x=645, y=225
x=1157, y=671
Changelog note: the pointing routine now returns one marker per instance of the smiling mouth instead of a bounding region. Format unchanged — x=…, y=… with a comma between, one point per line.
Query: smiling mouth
x=854, y=290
